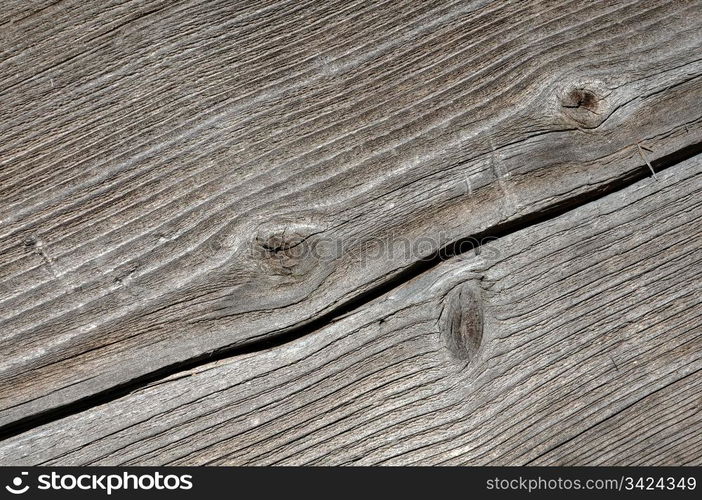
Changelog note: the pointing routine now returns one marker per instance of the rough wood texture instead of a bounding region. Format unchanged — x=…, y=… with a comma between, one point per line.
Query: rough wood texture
x=550, y=335
x=162, y=160
x=664, y=427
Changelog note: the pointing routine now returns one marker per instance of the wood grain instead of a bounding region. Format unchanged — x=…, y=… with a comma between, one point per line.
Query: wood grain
x=162, y=161
x=546, y=340
x=665, y=427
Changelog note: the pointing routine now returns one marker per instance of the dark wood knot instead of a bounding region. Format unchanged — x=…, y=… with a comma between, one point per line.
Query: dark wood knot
x=581, y=98
x=462, y=320
x=288, y=249
x=585, y=104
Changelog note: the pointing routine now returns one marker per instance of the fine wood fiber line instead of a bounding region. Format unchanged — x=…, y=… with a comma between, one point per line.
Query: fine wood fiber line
x=162, y=161
x=574, y=340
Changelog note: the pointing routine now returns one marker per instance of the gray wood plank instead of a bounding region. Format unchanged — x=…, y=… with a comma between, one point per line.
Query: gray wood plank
x=665, y=427
x=549, y=335
x=164, y=163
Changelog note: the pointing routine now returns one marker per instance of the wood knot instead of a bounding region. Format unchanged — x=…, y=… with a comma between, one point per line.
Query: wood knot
x=32, y=241
x=585, y=103
x=462, y=320
x=288, y=249
x=581, y=98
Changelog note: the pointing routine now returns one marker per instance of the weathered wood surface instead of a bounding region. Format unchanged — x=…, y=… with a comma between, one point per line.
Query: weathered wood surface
x=161, y=160
x=577, y=340
x=664, y=427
